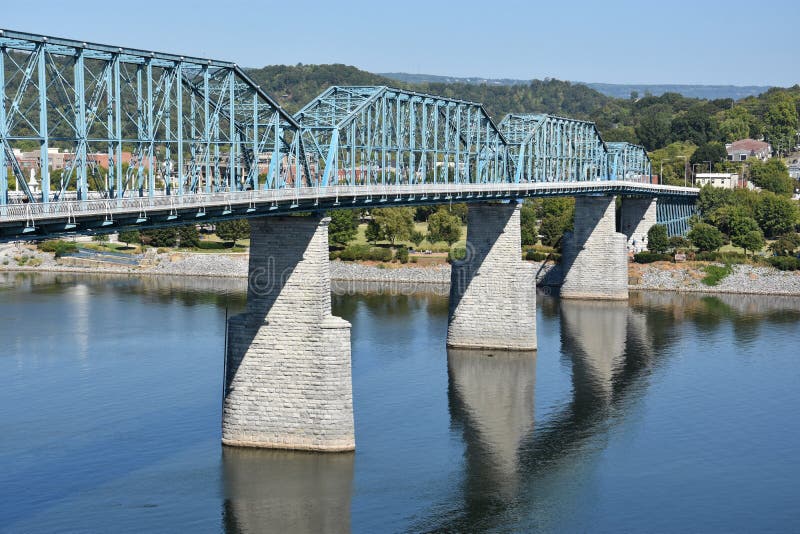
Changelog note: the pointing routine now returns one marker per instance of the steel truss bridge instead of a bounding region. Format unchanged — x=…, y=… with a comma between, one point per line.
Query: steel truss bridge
x=148, y=139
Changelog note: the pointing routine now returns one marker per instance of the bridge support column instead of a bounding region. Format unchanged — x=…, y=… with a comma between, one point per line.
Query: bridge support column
x=493, y=291
x=288, y=378
x=594, y=259
x=637, y=216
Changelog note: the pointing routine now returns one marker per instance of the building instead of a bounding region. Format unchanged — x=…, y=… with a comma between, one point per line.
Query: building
x=794, y=170
x=722, y=180
x=745, y=149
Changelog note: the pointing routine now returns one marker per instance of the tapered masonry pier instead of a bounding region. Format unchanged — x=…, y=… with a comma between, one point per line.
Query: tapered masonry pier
x=493, y=291
x=637, y=216
x=288, y=376
x=594, y=258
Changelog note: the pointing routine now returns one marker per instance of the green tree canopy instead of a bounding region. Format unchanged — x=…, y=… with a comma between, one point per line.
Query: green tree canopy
x=343, y=226
x=705, y=237
x=657, y=239
x=394, y=223
x=528, y=223
x=713, y=151
x=772, y=175
x=776, y=215
x=444, y=226
x=233, y=230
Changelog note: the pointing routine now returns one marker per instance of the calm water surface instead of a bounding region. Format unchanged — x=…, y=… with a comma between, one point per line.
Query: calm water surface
x=668, y=413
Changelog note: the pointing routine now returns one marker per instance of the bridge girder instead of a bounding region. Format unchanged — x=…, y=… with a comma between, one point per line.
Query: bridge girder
x=189, y=124
x=378, y=135
x=548, y=148
x=628, y=161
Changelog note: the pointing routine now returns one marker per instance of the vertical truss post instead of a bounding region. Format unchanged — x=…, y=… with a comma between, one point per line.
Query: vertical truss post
x=3, y=133
x=232, y=184
x=80, y=126
x=117, y=99
x=151, y=174
x=43, y=134
x=207, y=127
x=254, y=169
x=179, y=126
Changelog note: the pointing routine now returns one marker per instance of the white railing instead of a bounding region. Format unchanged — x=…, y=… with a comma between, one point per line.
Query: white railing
x=74, y=208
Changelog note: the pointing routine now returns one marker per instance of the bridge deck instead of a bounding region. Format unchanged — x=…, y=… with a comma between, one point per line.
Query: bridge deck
x=36, y=220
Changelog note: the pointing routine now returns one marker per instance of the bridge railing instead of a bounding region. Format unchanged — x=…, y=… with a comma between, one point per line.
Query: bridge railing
x=330, y=194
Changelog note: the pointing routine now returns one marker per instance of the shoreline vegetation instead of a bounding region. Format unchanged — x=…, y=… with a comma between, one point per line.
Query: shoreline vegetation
x=657, y=276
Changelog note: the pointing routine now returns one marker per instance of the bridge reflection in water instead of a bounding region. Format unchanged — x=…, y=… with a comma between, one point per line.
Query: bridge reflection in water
x=515, y=465
x=286, y=491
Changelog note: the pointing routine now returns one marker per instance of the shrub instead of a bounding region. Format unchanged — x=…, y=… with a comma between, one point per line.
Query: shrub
x=650, y=257
x=785, y=263
x=678, y=242
x=401, y=254
x=657, y=239
x=354, y=252
x=715, y=274
x=379, y=254
x=456, y=254
x=535, y=255
x=59, y=247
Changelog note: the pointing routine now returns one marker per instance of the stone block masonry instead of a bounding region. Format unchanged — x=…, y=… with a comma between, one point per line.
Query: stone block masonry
x=493, y=291
x=594, y=258
x=288, y=376
x=637, y=216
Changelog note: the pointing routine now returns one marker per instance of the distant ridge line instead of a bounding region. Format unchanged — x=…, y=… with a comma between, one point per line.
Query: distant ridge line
x=615, y=90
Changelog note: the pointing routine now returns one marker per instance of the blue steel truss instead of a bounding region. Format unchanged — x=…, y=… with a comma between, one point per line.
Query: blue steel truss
x=546, y=148
x=674, y=213
x=135, y=123
x=627, y=161
x=379, y=136
x=122, y=138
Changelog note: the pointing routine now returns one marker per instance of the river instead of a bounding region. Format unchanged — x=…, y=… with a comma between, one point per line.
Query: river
x=667, y=413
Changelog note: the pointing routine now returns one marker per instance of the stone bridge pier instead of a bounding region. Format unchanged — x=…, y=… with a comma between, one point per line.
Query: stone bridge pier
x=637, y=216
x=493, y=291
x=288, y=377
x=594, y=259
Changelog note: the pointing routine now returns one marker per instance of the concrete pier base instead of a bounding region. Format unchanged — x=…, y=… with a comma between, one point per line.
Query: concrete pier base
x=594, y=258
x=637, y=216
x=493, y=291
x=288, y=376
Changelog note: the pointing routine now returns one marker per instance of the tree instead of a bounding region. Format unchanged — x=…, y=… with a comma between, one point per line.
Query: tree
x=776, y=215
x=745, y=233
x=752, y=241
x=705, y=237
x=781, y=123
x=444, y=226
x=160, y=237
x=373, y=233
x=553, y=228
x=416, y=237
x=714, y=152
x=129, y=236
x=395, y=223
x=657, y=239
x=188, y=235
x=696, y=125
x=786, y=245
x=232, y=230
x=772, y=175
x=528, y=223
x=653, y=130
x=343, y=226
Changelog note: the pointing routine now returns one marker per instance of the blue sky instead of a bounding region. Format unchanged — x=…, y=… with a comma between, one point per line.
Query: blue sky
x=699, y=42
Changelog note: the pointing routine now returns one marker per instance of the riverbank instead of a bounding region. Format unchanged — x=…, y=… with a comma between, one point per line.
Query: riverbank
x=662, y=276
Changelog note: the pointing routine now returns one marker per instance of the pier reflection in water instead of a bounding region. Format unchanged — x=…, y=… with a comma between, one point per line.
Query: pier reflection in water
x=669, y=413
x=286, y=491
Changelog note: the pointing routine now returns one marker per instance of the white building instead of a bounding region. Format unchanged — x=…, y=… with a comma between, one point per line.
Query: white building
x=722, y=180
